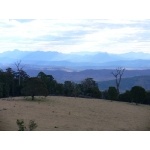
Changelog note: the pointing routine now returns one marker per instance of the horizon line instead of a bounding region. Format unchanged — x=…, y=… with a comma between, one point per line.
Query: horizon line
x=74, y=52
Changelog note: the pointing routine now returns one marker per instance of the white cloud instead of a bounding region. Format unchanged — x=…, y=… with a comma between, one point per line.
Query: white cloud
x=65, y=35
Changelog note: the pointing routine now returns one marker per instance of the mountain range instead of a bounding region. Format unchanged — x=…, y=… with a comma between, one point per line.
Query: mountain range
x=97, y=75
x=75, y=61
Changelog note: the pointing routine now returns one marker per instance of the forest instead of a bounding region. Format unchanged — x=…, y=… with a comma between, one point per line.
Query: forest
x=19, y=83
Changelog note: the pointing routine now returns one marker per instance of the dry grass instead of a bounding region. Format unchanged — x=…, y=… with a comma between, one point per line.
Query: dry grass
x=74, y=114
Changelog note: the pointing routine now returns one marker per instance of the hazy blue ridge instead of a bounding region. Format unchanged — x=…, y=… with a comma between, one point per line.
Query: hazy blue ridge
x=78, y=61
x=127, y=83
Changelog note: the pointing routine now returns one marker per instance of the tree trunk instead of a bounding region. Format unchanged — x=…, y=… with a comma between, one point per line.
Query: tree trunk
x=32, y=96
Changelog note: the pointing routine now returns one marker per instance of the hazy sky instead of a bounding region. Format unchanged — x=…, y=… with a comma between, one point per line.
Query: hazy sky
x=76, y=26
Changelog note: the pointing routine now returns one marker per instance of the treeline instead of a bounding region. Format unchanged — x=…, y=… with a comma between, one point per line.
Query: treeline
x=11, y=82
x=19, y=83
x=137, y=95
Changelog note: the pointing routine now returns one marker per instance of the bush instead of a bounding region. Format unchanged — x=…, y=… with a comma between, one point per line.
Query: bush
x=112, y=93
x=21, y=125
x=32, y=125
x=126, y=97
x=138, y=94
x=147, y=99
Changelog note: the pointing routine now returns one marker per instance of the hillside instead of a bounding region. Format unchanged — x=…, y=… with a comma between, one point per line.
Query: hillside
x=74, y=114
x=127, y=83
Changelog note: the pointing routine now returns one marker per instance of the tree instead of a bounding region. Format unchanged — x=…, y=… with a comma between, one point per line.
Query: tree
x=35, y=87
x=19, y=69
x=112, y=93
x=48, y=81
x=4, y=84
x=10, y=79
x=59, y=89
x=105, y=95
x=147, y=99
x=90, y=88
x=1, y=90
x=6, y=90
x=1, y=83
x=138, y=94
x=126, y=97
x=20, y=76
x=96, y=93
x=118, y=76
x=68, y=88
x=76, y=89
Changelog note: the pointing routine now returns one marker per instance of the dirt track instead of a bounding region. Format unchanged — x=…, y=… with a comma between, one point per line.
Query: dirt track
x=74, y=114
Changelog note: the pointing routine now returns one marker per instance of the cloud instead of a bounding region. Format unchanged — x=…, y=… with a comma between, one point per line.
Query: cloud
x=66, y=35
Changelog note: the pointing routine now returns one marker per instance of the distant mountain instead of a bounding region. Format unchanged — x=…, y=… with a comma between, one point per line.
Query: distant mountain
x=63, y=74
x=127, y=83
x=137, y=55
x=75, y=61
x=128, y=64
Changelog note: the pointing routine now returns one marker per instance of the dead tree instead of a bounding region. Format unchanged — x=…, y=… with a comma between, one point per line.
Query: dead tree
x=118, y=76
x=19, y=69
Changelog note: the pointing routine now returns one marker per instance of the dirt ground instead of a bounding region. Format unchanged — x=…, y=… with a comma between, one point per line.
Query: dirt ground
x=74, y=114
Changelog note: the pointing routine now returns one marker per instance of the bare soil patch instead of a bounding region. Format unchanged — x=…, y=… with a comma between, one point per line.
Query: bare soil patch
x=74, y=114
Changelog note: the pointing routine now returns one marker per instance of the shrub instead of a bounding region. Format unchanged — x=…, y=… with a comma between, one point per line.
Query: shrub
x=138, y=94
x=126, y=97
x=32, y=125
x=112, y=93
x=20, y=124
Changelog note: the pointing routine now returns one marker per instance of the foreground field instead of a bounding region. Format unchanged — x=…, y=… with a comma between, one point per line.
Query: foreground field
x=74, y=114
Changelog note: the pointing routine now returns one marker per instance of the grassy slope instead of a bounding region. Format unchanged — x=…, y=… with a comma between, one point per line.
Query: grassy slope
x=65, y=113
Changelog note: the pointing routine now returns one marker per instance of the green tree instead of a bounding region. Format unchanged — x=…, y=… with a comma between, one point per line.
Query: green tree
x=76, y=90
x=6, y=90
x=138, y=94
x=10, y=79
x=20, y=77
x=48, y=81
x=35, y=87
x=59, y=89
x=105, y=95
x=1, y=90
x=112, y=93
x=147, y=99
x=68, y=88
x=126, y=97
x=4, y=83
x=90, y=88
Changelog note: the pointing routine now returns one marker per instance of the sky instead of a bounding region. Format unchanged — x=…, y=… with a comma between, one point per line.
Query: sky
x=116, y=26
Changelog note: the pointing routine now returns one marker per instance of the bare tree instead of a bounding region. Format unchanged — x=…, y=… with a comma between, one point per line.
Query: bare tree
x=19, y=68
x=118, y=76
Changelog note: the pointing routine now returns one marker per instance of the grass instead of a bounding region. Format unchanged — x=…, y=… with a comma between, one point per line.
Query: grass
x=36, y=98
x=57, y=113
